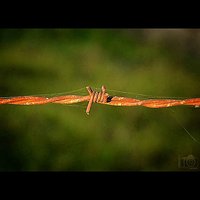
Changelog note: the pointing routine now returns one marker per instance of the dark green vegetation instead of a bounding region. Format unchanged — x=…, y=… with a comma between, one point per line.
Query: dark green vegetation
x=60, y=137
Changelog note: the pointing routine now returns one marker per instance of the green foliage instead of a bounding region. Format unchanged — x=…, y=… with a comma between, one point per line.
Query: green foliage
x=60, y=137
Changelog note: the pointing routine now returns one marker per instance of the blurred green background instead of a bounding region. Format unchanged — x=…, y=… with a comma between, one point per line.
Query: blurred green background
x=157, y=62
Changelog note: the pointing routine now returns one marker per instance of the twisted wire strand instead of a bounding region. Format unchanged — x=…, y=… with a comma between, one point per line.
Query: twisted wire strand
x=102, y=98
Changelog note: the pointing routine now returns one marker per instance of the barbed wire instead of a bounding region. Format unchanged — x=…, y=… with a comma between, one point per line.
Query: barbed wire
x=101, y=97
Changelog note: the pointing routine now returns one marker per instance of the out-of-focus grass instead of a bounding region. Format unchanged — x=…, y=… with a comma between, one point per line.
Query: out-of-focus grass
x=59, y=137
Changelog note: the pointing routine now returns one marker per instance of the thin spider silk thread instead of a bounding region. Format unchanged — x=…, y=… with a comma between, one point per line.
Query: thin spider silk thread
x=49, y=94
x=179, y=123
x=145, y=96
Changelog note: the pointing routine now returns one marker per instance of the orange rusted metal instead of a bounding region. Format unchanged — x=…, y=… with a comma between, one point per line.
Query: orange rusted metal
x=100, y=97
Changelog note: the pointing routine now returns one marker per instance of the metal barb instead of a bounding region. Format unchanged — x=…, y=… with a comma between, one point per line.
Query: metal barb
x=96, y=97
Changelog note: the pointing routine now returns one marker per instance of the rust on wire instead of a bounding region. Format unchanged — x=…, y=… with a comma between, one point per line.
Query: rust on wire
x=101, y=97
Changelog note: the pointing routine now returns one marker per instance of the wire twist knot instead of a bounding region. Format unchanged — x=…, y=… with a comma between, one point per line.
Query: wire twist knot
x=96, y=97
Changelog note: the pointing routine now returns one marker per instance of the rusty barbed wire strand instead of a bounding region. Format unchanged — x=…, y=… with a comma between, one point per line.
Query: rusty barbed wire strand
x=101, y=97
